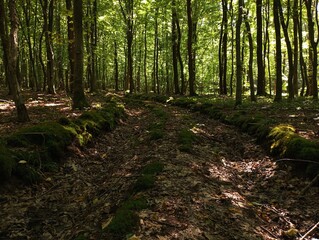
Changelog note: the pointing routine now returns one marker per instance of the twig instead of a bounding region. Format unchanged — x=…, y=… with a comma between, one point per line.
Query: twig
x=270, y=233
x=309, y=185
x=310, y=231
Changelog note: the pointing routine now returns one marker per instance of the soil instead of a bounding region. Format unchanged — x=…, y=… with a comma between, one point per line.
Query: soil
x=226, y=187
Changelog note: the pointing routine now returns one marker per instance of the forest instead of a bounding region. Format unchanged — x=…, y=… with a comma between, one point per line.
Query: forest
x=159, y=119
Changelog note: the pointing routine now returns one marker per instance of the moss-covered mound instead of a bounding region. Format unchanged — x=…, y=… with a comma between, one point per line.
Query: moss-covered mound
x=35, y=149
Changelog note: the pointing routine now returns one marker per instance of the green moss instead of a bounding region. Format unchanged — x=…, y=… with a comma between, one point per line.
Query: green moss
x=126, y=220
x=144, y=182
x=302, y=148
x=280, y=136
x=7, y=163
x=153, y=168
x=186, y=138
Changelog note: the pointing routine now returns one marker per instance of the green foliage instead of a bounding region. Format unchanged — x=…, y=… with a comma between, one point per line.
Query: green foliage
x=186, y=138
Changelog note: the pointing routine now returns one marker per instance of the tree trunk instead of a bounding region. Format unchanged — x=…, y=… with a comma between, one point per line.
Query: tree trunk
x=116, y=68
x=10, y=49
x=179, y=56
x=296, y=50
x=174, y=48
x=289, y=49
x=313, y=44
x=71, y=50
x=251, y=58
x=223, y=51
x=190, y=48
x=78, y=97
x=261, y=89
x=239, y=67
x=145, y=58
x=47, y=9
x=278, y=96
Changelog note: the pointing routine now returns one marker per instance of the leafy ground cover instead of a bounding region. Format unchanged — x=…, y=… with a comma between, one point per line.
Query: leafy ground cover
x=224, y=187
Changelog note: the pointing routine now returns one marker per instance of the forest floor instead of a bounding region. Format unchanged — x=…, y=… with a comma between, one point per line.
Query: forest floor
x=221, y=186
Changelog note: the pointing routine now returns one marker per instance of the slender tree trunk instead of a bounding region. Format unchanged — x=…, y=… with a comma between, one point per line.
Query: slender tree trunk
x=232, y=49
x=179, y=56
x=296, y=49
x=251, y=58
x=278, y=96
x=303, y=65
x=71, y=50
x=313, y=44
x=289, y=49
x=47, y=9
x=145, y=58
x=239, y=67
x=116, y=68
x=78, y=97
x=190, y=48
x=223, y=50
x=261, y=89
x=10, y=49
x=174, y=48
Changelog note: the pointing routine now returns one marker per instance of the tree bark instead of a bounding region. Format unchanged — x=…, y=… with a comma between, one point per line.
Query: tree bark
x=278, y=96
x=78, y=97
x=190, y=48
x=261, y=89
x=10, y=49
x=239, y=67
x=251, y=58
x=289, y=49
x=174, y=48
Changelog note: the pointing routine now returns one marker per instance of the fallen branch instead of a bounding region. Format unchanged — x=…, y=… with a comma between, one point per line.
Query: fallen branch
x=310, y=231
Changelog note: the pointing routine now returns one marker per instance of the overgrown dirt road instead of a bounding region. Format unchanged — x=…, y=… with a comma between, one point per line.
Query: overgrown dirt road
x=218, y=184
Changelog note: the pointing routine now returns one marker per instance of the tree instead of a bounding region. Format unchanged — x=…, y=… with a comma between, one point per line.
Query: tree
x=239, y=74
x=127, y=12
x=223, y=50
x=191, y=40
x=278, y=96
x=175, y=48
x=284, y=25
x=251, y=58
x=10, y=52
x=78, y=97
x=47, y=8
x=314, y=44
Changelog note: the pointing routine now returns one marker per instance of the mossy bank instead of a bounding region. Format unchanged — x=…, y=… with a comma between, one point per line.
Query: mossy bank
x=33, y=150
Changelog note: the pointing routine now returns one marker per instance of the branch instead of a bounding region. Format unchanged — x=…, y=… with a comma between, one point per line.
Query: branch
x=310, y=231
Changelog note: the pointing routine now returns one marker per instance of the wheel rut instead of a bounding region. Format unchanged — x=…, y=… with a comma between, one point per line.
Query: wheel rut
x=221, y=187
